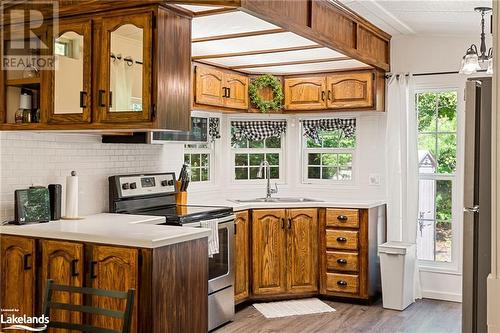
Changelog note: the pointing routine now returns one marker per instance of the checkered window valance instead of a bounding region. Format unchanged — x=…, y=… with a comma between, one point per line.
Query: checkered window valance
x=258, y=130
x=314, y=126
x=214, y=128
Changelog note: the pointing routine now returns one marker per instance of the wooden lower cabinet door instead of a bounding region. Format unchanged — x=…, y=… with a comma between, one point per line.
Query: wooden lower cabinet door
x=114, y=268
x=268, y=251
x=18, y=276
x=241, y=257
x=302, y=250
x=62, y=262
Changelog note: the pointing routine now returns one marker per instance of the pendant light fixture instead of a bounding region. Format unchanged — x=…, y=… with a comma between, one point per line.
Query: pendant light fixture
x=474, y=59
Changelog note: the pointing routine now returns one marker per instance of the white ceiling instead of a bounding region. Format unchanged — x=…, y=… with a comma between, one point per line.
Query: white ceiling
x=427, y=17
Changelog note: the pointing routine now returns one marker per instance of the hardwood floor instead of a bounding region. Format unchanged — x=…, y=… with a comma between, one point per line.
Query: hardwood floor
x=424, y=316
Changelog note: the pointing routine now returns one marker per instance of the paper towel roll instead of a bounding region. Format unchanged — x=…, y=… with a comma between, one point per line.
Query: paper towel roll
x=71, y=196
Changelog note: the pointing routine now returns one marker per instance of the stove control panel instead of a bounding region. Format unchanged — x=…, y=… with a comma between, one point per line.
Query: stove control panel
x=146, y=184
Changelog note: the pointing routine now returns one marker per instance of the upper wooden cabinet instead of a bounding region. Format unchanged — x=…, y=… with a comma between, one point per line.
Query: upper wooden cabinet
x=220, y=88
x=359, y=90
x=18, y=275
x=305, y=93
x=113, y=71
x=284, y=251
x=241, y=256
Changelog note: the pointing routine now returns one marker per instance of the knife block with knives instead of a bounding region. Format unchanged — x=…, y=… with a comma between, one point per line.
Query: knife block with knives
x=182, y=185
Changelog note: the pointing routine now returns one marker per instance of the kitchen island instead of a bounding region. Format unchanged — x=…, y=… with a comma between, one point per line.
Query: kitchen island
x=166, y=265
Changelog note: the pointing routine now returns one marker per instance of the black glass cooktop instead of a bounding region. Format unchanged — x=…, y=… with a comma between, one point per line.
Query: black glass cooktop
x=181, y=214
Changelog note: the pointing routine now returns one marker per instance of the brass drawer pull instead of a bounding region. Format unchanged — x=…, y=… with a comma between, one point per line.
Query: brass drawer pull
x=341, y=261
x=342, y=283
x=342, y=218
x=341, y=239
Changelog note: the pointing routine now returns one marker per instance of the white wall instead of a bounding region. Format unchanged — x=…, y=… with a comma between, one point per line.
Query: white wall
x=427, y=54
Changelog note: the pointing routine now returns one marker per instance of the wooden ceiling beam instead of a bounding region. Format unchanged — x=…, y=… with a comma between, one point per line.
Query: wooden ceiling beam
x=215, y=11
x=238, y=35
x=244, y=53
x=287, y=63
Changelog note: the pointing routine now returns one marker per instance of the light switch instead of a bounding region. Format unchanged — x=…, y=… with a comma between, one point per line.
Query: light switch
x=374, y=179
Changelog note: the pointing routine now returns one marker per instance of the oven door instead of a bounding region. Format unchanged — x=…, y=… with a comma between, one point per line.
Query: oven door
x=220, y=266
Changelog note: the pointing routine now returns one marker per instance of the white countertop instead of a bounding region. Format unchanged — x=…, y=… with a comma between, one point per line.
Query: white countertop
x=237, y=206
x=115, y=229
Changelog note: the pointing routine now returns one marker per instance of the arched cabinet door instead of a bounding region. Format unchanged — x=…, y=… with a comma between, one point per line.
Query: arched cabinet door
x=124, y=92
x=236, y=91
x=350, y=90
x=241, y=256
x=18, y=265
x=71, y=78
x=209, y=86
x=269, y=251
x=305, y=93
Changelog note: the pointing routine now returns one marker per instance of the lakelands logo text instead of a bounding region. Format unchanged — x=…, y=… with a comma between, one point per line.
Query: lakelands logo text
x=24, y=322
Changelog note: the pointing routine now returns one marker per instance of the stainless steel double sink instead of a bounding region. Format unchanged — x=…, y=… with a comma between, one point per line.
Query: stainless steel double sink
x=278, y=200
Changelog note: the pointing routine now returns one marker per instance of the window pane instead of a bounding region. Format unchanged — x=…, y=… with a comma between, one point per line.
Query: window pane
x=273, y=159
x=426, y=106
x=425, y=240
x=241, y=159
x=256, y=144
x=273, y=142
x=347, y=142
x=329, y=159
x=241, y=173
x=312, y=144
x=345, y=173
x=253, y=173
x=426, y=199
x=204, y=159
x=447, y=111
x=329, y=173
x=195, y=174
x=242, y=143
x=255, y=159
x=275, y=173
x=314, y=159
x=195, y=160
x=313, y=172
x=204, y=174
x=186, y=159
x=447, y=153
x=344, y=160
x=443, y=241
x=330, y=139
x=443, y=199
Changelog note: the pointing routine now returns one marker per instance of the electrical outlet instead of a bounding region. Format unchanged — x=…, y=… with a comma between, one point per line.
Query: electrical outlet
x=374, y=179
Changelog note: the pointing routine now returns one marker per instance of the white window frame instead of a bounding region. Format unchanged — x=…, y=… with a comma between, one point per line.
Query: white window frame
x=210, y=151
x=305, y=162
x=279, y=151
x=454, y=266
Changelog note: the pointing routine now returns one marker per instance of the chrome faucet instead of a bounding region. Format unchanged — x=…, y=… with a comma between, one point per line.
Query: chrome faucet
x=269, y=190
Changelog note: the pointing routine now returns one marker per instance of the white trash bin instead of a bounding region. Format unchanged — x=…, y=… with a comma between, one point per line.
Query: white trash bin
x=397, y=264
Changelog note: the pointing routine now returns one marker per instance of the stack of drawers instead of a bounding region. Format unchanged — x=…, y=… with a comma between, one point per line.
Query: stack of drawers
x=343, y=255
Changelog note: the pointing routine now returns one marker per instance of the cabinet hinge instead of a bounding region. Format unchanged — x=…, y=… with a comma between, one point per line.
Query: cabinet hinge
x=153, y=111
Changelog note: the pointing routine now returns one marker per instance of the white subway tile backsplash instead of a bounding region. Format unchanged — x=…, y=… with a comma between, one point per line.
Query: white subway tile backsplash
x=43, y=158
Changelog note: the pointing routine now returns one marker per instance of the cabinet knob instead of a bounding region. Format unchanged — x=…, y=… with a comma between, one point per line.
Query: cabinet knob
x=342, y=283
x=341, y=239
x=341, y=261
x=342, y=218
x=282, y=223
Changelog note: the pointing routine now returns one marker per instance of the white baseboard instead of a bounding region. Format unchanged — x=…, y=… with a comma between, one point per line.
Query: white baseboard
x=442, y=296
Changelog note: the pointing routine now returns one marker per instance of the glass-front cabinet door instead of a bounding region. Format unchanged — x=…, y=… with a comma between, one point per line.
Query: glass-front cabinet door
x=124, y=92
x=71, y=80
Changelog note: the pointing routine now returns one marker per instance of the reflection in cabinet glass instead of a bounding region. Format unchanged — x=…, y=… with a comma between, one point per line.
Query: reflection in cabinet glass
x=125, y=69
x=68, y=82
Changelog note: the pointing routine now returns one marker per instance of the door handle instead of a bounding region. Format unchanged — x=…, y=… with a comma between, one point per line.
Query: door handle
x=228, y=92
x=342, y=218
x=110, y=99
x=74, y=271
x=289, y=223
x=341, y=239
x=93, y=274
x=101, y=99
x=235, y=228
x=474, y=209
x=224, y=93
x=26, y=259
x=323, y=95
x=342, y=283
x=329, y=95
x=341, y=261
x=282, y=223
x=83, y=97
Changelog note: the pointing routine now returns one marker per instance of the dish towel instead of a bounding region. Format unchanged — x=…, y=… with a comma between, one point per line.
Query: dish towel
x=213, y=238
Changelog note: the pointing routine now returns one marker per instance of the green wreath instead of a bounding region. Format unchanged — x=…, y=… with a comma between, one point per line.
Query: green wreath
x=263, y=81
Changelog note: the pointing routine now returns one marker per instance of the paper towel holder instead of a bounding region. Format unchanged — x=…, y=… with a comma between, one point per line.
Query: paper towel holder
x=68, y=180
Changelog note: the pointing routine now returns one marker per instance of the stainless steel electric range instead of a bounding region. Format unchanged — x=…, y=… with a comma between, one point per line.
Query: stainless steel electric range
x=154, y=194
